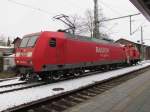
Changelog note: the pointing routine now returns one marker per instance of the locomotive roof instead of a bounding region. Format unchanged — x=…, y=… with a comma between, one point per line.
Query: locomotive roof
x=79, y=37
x=86, y=38
x=28, y=35
x=104, y=40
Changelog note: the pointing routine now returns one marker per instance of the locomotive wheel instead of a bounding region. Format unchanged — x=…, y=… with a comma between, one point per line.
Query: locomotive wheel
x=22, y=77
x=77, y=74
x=56, y=77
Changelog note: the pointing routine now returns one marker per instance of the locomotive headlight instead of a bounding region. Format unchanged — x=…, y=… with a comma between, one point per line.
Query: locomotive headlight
x=17, y=54
x=29, y=62
x=29, y=54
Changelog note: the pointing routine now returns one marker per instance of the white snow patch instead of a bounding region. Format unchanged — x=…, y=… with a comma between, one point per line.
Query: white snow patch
x=10, y=100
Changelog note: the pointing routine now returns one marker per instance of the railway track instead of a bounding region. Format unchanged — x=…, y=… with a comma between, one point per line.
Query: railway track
x=69, y=99
x=7, y=79
x=10, y=85
x=19, y=86
x=6, y=88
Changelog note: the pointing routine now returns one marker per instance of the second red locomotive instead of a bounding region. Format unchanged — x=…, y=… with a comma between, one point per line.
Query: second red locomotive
x=52, y=55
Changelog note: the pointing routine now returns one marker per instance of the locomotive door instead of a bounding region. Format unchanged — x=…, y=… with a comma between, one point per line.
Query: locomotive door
x=127, y=52
x=60, y=51
x=53, y=53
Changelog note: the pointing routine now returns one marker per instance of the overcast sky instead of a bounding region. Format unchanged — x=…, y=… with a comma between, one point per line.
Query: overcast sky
x=18, y=20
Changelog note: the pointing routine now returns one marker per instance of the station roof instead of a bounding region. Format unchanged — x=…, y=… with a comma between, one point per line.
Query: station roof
x=143, y=6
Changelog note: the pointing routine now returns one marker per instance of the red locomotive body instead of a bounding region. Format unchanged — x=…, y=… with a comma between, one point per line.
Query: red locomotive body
x=52, y=52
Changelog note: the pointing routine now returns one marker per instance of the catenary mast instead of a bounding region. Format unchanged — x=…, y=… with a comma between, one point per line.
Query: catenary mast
x=96, y=33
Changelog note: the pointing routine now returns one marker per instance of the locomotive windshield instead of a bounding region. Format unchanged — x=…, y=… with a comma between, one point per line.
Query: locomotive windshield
x=29, y=41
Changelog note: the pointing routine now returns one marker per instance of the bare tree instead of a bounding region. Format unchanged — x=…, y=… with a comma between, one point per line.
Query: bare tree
x=8, y=42
x=79, y=24
x=89, y=21
x=82, y=24
x=85, y=24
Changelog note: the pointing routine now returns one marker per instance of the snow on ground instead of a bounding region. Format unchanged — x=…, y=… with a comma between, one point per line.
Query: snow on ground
x=28, y=95
x=13, y=81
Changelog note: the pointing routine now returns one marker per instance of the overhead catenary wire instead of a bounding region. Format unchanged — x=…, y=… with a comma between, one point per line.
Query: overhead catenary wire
x=29, y=6
x=110, y=8
x=72, y=3
x=121, y=17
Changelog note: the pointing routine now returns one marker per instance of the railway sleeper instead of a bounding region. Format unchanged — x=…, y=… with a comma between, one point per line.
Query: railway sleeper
x=77, y=98
x=65, y=103
x=88, y=93
x=62, y=104
x=93, y=91
x=96, y=90
x=57, y=107
x=81, y=96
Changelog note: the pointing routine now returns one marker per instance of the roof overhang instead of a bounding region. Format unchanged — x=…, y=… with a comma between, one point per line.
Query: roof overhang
x=143, y=6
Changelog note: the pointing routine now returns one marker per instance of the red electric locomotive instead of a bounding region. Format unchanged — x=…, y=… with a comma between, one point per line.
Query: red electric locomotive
x=52, y=55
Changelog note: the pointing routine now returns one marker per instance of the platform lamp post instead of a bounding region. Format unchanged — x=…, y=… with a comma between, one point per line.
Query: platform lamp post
x=141, y=42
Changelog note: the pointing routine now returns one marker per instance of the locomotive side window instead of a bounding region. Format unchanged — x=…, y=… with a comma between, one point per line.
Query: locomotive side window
x=52, y=42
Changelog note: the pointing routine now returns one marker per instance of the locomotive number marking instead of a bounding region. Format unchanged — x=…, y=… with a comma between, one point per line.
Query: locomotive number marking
x=102, y=50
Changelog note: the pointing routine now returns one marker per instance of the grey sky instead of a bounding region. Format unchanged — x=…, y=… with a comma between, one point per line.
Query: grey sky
x=17, y=20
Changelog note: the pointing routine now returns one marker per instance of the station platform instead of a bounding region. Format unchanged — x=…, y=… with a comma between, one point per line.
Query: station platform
x=131, y=96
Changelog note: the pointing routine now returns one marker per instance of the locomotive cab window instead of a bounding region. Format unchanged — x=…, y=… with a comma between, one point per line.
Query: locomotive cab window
x=52, y=42
x=32, y=41
x=29, y=41
x=24, y=42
